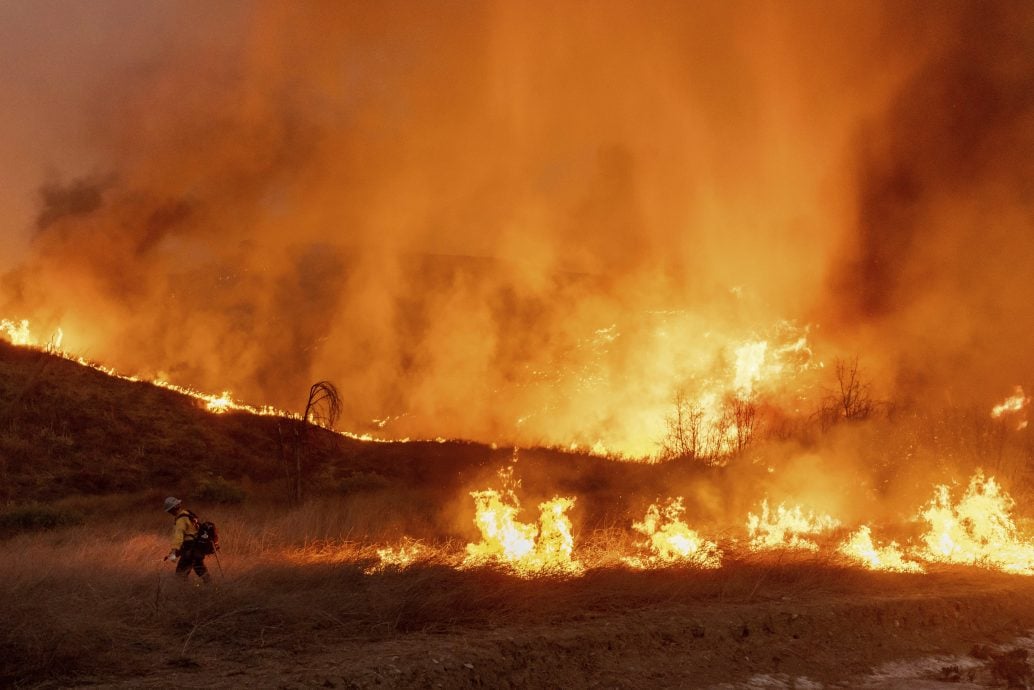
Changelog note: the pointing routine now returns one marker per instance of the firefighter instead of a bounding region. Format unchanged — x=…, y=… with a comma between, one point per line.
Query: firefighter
x=184, y=550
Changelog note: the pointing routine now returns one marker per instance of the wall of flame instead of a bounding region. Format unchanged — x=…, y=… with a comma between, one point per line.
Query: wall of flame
x=521, y=222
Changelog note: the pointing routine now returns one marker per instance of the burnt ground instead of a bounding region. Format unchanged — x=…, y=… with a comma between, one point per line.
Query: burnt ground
x=790, y=628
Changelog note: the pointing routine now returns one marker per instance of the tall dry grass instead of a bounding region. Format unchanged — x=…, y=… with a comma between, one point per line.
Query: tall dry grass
x=95, y=601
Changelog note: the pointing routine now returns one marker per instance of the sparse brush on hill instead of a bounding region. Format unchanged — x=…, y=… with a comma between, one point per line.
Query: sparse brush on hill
x=34, y=517
x=66, y=429
x=69, y=430
x=218, y=490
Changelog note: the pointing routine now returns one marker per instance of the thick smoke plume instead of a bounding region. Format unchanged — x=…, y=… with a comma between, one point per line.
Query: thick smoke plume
x=522, y=222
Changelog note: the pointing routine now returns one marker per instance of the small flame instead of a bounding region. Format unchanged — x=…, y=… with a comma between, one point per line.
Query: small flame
x=784, y=528
x=20, y=333
x=859, y=548
x=1016, y=404
x=750, y=360
x=219, y=404
x=399, y=557
x=671, y=541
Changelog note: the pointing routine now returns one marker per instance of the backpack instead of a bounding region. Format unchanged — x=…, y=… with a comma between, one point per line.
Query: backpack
x=207, y=538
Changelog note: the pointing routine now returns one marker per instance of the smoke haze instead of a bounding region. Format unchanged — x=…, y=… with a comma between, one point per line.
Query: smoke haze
x=518, y=221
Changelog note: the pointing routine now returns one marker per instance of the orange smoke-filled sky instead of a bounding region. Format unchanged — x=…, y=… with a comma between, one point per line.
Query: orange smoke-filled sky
x=529, y=221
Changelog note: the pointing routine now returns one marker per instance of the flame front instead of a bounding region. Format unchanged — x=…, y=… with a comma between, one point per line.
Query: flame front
x=671, y=541
x=526, y=548
x=20, y=334
x=978, y=530
x=859, y=548
x=718, y=381
x=220, y=404
x=17, y=332
x=785, y=528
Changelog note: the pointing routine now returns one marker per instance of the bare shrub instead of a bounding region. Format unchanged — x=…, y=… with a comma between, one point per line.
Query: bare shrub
x=36, y=516
x=322, y=409
x=744, y=413
x=691, y=436
x=215, y=489
x=684, y=440
x=324, y=405
x=850, y=399
x=360, y=482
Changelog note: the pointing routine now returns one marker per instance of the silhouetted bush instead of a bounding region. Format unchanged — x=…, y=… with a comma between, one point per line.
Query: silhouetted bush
x=34, y=517
x=219, y=490
x=358, y=482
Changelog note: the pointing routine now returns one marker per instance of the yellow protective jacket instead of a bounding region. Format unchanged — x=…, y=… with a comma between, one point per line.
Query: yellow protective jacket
x=183, y=529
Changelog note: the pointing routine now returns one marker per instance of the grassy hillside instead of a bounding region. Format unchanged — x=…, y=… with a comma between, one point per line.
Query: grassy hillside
x=67, y=430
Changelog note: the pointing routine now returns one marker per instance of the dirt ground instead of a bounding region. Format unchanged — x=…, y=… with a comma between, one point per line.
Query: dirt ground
x=775, y=636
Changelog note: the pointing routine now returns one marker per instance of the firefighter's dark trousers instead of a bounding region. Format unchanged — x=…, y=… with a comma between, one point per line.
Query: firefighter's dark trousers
x=191, y=558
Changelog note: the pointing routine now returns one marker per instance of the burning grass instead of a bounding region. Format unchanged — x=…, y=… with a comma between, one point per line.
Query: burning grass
x=92, y=603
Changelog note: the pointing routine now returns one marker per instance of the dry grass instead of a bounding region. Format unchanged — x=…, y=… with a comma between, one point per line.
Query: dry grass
x=95, y=600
